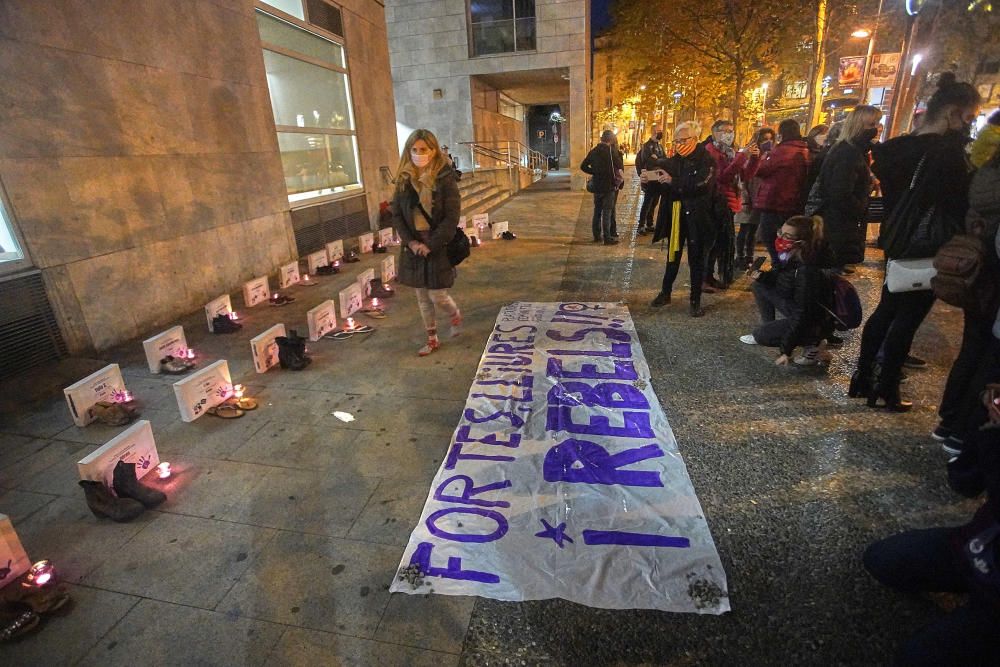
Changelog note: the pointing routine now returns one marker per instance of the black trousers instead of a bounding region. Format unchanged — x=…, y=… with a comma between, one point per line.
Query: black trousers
x=746, y=240
x=770, y=223
x=771, y=332
x=977, y=364
x=696, y=263
x=604, y=210
x=918, y=561
x=647, y=212
x=891, y=328
x=723, y=249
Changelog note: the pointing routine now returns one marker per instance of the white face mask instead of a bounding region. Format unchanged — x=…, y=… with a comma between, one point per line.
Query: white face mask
x=420, y=160
x=726, y=138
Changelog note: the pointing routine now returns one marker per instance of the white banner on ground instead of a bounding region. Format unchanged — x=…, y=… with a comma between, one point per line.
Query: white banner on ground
x=563, y=477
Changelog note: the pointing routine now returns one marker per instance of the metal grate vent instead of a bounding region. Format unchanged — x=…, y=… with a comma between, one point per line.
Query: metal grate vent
x=316, y=226
x=29, y=335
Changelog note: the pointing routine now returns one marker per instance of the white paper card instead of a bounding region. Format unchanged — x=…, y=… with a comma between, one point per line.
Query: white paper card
x=169, y=343
x=385, y=237
x=222, y=305
x=322, y=320
x=134, y=445
x=265, y=350
x=365, y=282
x=366, y=241
x=388, y=273
x=335, y=249
x=480, y=220
x=83, y=395
x=289, y=275
x=203, y=390
x=317, y=259
x=14, y=559
x=256, y=291
x=472, y=234
x=499, y=228
x=351, y=300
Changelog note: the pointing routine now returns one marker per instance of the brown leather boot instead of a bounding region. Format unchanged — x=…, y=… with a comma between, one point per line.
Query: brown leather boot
x=128, y=486
x=106, y=506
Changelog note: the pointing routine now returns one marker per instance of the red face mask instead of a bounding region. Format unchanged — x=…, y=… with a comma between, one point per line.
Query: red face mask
x=784, y=245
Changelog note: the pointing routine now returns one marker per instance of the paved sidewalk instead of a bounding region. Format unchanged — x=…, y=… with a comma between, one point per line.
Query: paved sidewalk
x=284, y=528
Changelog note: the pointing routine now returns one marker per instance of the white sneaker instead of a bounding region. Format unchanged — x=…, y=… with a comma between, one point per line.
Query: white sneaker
x=812, y=355
x=748, y=339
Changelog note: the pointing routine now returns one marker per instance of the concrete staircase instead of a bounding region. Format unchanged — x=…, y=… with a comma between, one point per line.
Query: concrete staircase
x=480, y=196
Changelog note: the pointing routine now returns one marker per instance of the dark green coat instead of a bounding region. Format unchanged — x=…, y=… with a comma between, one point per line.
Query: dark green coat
x=433, y=271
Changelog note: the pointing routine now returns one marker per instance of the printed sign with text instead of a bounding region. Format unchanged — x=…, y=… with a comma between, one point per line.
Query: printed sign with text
x=365, y=279
x=205, y=389
x=264, y=349
x=335, y=249
x=322, y=320
x=169, y=343
x=366, y=241
x=388, y=273
x=481, y=220
x=134, y=445
x=104, y=385
x=385, y=237
x=351, y=300
x=289, y=275
x=499, y=228
x=256, y=291
x=222, y=305
x=314, y=260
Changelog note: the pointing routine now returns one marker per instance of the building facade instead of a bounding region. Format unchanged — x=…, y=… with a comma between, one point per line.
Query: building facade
x=494, y=71
x=155, y=155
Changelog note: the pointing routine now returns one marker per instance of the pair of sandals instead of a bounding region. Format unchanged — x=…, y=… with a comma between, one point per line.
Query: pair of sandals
x=113, y=414
x=374, y=313
x=233, y=408
x=282, y=300
x=344, y=334
x=24, y=606
x=172, y=365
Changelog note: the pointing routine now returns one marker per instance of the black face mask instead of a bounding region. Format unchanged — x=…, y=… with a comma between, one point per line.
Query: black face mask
x=868, y=136
x=659, y=136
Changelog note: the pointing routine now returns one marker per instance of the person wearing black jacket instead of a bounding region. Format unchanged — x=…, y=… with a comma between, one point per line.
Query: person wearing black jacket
x=603, y=163
x=688, y=187
x=944, y=184
x=651, y=150
x=963, y=559
x=798, y=288
x=841, y=191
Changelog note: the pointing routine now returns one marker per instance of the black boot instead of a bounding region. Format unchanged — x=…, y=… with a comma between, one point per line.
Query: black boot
x=696, y=309
x=127, y=485
x=292, y=351
x=223, y=324
x=381, y=290
x=861, y=384
x=106, y=506
x=886, y=388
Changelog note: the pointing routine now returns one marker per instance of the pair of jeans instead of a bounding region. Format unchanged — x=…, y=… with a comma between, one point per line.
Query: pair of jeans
x=975, y=367
x=891, y=328
x=770, y=223
x=696, y=263
x=650, y=197
x=430, y=301
x=919, y=561
x=604, y=209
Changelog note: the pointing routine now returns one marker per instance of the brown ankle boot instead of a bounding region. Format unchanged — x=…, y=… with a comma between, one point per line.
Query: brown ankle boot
x=106, y=506
x=128, y=486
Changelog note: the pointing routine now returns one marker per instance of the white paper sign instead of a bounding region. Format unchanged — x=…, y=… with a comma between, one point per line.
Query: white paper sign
x=322, y=320
x=335, y=249
x=385, y=237
x=388, y=273
x=14, y=560
x=169, y=343
x=365, y=279
x=498, y=229
x=473, y=233
x=256, y=291
x=316, y=260
x=264, y=349
x=366, y=241
x=222, y=305
x=289, y=275
x=563, y=477
x=100, y=386
x=134, y=445
x=205, y=389
x=481, y=220
x=351, y=300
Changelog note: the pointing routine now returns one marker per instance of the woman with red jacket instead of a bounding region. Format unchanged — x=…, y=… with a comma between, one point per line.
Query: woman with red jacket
x=782, y=175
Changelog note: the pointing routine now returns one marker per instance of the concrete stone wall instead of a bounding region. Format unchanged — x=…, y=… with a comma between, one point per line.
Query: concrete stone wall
x=138, y=151
x=429, y=49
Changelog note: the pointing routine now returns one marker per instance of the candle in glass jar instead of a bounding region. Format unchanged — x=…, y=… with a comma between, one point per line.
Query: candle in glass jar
x=190, y=353
x=41, y=573
x=238, y=391
x=163, y=470
x=350, y=322
x=375, y=302
x=233, y=316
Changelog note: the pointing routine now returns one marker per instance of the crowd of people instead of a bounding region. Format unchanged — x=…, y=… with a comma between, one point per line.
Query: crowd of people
x=807, y=201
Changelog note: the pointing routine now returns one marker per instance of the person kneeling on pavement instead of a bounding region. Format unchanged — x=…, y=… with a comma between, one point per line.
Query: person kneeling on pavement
x=957, y=559
x=798, y=288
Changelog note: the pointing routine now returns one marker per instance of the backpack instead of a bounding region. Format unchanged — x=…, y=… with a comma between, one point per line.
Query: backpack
x=962, y=274
x=846, y=304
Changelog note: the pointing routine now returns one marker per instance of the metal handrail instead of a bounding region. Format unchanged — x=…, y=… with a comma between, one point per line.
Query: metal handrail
x=513, y=154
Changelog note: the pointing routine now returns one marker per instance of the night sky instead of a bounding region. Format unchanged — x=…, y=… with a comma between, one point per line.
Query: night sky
x=600, y=15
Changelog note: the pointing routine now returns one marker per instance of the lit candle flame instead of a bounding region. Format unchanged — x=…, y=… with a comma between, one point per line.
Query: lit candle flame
x=305, y=277
x=190, y=353
x=375, y=302
x=233, y=315
x=41, y=573
x=238, y=391
x=350, y=322
x=163, y=470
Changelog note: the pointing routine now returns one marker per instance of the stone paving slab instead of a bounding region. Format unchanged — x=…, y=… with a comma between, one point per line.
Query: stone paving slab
x=307, y=648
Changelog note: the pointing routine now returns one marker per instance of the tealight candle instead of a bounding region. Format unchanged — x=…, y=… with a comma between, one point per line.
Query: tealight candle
x=336, y=264
x=375, y=302
x=233, y=315
x=350, y=322
x=238, y=391
x=305, y=277
x=190, y=353
x=127, y=396
x=41, y=573
x=163, y=470
x=275, y=296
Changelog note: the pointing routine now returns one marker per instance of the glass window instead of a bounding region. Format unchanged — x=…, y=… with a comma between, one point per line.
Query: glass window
x=293, y=7
x=305, y=95
x=318, y=164
x=311, y=101
x=502, y=26
x=275, y=31
x=10, y=249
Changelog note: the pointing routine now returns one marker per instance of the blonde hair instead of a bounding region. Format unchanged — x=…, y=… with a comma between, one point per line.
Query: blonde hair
x=855, y=123
x=407, y=171
x=691, y=125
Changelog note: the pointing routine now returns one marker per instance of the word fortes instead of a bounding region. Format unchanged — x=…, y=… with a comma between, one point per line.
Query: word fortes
x=581, y=400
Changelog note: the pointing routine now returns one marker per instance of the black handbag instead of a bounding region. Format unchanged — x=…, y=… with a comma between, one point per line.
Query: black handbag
x=458, y=247
x=911, y=231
